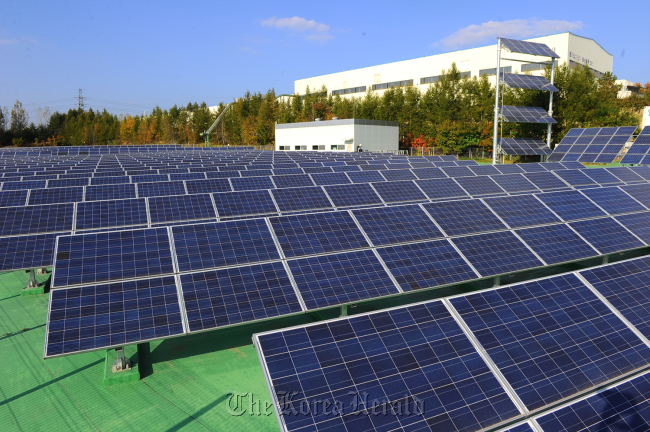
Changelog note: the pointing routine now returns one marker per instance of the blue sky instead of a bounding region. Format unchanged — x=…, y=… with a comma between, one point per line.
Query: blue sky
x=131, y=56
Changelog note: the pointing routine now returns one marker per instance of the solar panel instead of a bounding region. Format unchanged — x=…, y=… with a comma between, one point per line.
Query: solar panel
x=509, y=169
x=623, y=407
x=317, y=233
x=181, y=208
x=207, y=186
x=613, y=200
x=365, y=177
x=219, y=298
x=496, y=253
x=521, y=211
x=463, y=217
x=56, y=195
x=103, y=316
x=393, y=358
x=396, y=224
x=398, y=174
x=519, y=114
x=330, y=179
x=111, y=256
x=480, y=185
x=13, y=198
x=67, y=182
x=110, y=192
x=162, y=188
x=149, y=178
x=570, y=205
x=251, y=183
x=306, y=198
x=606, y=235
x=25, y=184
x=458, y=171
x=315, y=170
x=643, y=171
x=532, y=48
x=638, y=223
x=426, y=265
x=222, y=174
x=514, y=183
x=95, y=181
x=352, y=195
x=552, y=338
x=624, y=174
x=331, y=280
x=399, y=191
x=639, y=149
x=256, y=173
x=482, y=170
x=532, y=167
x=593, y=145
x=531, y=82
x=556, y=243
x=601, y=176
x=545, y=181
x=27, y=252
x=441, y=188
x=212, y=245
x=288, y=171
x=575, y=177
x=523, y=427
x=287, y=181
x=36, y=219
x=187, y=176
x=112, y=213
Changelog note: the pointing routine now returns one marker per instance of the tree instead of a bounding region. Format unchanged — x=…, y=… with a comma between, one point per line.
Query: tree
x=19, y=118
x=4, y=119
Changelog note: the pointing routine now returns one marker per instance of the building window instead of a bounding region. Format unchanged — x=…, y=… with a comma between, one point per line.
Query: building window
x=284, y=147
x=384, y=86
x=493, y=71
x=596, y=73
x=533, y=66
x=334, y=147
x=349, y=90
x=304, y=147
x=318, y=147
x=432, y=79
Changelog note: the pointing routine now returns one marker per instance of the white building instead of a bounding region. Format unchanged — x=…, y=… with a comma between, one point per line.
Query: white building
x=423, y=71
x=628, y=88
x=338, y=135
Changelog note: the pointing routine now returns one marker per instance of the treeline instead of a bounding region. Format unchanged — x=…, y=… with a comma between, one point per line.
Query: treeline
x=453, y=113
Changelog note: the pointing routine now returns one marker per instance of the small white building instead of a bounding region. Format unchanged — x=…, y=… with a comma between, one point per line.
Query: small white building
x=628, y=88
x=338, y=135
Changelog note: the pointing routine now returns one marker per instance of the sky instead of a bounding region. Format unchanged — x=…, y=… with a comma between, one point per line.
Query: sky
x=129, y=56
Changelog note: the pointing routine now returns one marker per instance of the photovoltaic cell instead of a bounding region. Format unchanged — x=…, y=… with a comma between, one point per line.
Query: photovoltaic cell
x=332, y=280
x=463, y=217
x=161, y=189
x=230, y=296
x=613, y=200
x=496, y=253
x=551, y=338
x=110, y=192
x=104, y=257
x=556, y=243
x=480, y=185
x=521, y=210
x=112, y=213
x=606, y=235
x=247, y=203
x=396, y=224
x=570, y=205
x=212, y=245
x=399, y=191
x=441, y=188
x=181, y=208
x=27, y=252
x=36, y=219
x=13, y=198
x=306, y=198
x=251, y=183
x=102, y=316
x=207, y=186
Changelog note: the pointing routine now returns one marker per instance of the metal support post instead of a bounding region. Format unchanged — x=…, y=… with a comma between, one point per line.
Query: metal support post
x=497, y=281
x=32, y=279
x=121, y=363
x=496, y=104
x=605, y=259
x=344, y=310
x=550, y=105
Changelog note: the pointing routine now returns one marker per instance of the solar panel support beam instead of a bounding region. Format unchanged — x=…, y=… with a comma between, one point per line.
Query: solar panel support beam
x=550, y=104
x=605, y=259
x=33, y=283
x=496, y=105
x=344, y=311
x=497, y=281
x=121, y=363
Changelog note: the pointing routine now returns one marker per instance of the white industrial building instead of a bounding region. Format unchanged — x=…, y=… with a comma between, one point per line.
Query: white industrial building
x=338, y=135
x=423, y=71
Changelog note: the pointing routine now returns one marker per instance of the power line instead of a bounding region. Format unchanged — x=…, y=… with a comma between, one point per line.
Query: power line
x=81, y=101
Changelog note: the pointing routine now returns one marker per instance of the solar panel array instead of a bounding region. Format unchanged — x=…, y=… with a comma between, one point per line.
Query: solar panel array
x=524, y=146
x=503, y=357
x=592, y=145
x=639, y=151
x=524, y=47
x=519, y=114
x=531, y=82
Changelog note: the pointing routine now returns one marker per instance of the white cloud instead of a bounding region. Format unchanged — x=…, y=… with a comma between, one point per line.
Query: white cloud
x=518, y=28
x=313, y=30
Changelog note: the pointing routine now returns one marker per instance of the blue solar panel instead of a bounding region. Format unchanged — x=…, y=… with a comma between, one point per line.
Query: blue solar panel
x=330, y=179
x=601, y=176
x=575, y=177
x=496, y=253
x=521, y=114
x=396, y=224
x=212, y=245
x=256, y=173
x=287, y=171
x=458, y=171
x=426, y=265
x=187, y=176
x=556, y=243
x=103, y=257
x=441, y=188
x=247, y=203
x=27, y=252
x=230, y=296
x=606, y=235
x=332, y=280
x=317, y=233
x=643, y=171
x=306, y=198
x=464, y=217
x=525, y=47
x=640, y=192
x=552, y=338
x=181, y=208
x=113, y=213
x=365, y=177
x=484, y=170
x=480, y=185
x=110, y=192
x=524, y=427
x=398, y=174
x=95, y=181
x=399, y=191
x=392, y=359
x=161, y=189
x=207, y=186
x=532, y=167
x=638, y=223
x=514, y=183
x=613, y=200
x=25, y=184
x=570, y=205
x=149, y=178
x=545, y=180
x=314, y=170
x=101, y=316
x=287, y=181
x=251, y=183
x=623, y=173
x=56, y=195
x=13, y=198
x=36, y=219
x=428, y=173
x=521, y=210
x=69, y=182
x=221, y=174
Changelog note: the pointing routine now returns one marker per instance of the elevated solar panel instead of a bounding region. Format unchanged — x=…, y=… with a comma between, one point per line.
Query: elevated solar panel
x=396, y=224
x=524, y=47
x=613, y=200
x=399, y=191
x=105, y=257
x=521, y=211
x=181, y=208
x=398, y=174
x=366, y=177
x=56, y=195
x=593, y=145
x=111, y=213
x=212, y=245
x=394, y=357
x=331, y=280
x=551, y=339
x=519, y=114
x=546, y=181
x=288, y=181
x=556, y=243
x=162, y=188
x=607, y=235
x=110, y=192
x=480, y=185
x=13, y=198
x=27, y=252
x=463, y=217
x=496, y=253
x=207, y=186
x=305, y=198
x=530, y=82
x=36, y=219
x=638, y=223
x=251, y=183
x=248, y=203
x=637, y=153
x=353, y=195
x=570, y=205
x=426, y=265
x=330, y=179
x=219, y=298
x=441, y=188
x=103, y=316
x=513, y=183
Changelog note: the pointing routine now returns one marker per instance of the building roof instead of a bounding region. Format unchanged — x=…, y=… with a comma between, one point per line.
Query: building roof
x=322, y=123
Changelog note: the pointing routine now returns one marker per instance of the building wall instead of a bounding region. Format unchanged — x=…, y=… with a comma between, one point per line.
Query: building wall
x=568, y=46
